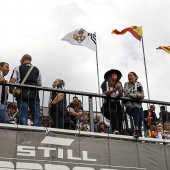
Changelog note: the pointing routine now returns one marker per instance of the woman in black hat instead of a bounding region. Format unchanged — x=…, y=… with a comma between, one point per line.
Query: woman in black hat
x=111, y=108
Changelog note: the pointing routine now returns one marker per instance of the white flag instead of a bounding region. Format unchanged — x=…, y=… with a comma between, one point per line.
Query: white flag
x=82, y=38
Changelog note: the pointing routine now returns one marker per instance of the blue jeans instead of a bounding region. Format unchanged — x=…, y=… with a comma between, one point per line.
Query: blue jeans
x=4, y=118
x=34, y=107
x=137, y=114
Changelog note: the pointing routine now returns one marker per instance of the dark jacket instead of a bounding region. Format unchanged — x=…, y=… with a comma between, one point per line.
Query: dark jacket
x=32, y=79
x=146, y=114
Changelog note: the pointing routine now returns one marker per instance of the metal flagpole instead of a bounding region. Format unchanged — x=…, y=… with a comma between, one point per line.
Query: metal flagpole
x=97, y=68
x=145, y=68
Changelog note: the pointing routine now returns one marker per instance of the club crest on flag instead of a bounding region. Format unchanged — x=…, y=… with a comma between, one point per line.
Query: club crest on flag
x=82, y=38
x=79, y=37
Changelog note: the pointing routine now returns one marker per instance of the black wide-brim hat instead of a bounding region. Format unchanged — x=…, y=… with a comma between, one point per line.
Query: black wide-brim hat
x=110, y=72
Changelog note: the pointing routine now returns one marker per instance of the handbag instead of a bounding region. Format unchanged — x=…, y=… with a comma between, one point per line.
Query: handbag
x=17, y=90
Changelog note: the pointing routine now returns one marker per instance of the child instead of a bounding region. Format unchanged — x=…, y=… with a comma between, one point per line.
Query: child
x=159, y=134
x=151, y=133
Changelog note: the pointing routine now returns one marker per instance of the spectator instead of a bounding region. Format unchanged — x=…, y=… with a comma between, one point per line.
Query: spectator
x=112, y=108
x=4, y=69
x=30, y=120
x=133, y=89
x=13, y=113
x=166, y=134
x=58, y=104
x=166, y=126
x=163, y=115
x=159, y=134
x=151, y=133
x=103, y=129
x=46, y=121
x=84, y=125
x=97, y=120
x=74, y=112
x=29, y=97
x=75, y=98
x=149, y=116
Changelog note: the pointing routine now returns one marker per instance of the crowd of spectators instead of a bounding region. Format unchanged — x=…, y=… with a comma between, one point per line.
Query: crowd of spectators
x=153, y=127
x=77, y=119
x=157, y=127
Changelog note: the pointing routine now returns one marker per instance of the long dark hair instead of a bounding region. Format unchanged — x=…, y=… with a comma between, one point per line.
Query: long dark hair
x=111, y=83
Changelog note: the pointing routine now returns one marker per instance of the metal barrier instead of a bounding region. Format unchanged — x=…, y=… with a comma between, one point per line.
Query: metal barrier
x=46, y=148
x=91, y=102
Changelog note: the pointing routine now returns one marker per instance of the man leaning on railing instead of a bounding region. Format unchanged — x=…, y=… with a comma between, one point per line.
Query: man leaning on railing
x=29, y=97
x=4, y=69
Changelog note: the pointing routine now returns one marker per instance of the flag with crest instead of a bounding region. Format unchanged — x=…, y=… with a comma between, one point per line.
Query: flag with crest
x=82, y=38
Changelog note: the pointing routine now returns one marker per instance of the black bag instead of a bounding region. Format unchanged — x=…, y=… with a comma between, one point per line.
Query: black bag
x=29, y=93
x=69, y=121
x=103, y=108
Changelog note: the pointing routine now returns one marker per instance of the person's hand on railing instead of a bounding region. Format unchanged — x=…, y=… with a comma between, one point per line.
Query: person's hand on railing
x=142, y=96
x=2, y=80
x=79, y=113
x=71, y=111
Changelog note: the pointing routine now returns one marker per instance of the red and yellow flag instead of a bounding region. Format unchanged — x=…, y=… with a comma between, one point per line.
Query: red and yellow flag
x=167, y=48
x=134, y=30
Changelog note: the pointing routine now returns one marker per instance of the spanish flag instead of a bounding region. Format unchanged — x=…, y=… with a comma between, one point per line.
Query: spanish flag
x=134, y=30
x=167, y=48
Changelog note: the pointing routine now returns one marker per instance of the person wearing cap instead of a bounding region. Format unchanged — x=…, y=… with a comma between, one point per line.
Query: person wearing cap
x=134, y=89
x=57, y=108
x=29, y=97
x=112, y=108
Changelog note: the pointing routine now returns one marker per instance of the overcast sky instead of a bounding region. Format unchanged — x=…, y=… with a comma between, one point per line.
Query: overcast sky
x=36, y=27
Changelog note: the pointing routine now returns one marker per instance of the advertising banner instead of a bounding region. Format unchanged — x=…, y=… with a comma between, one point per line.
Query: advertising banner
x=25, y=150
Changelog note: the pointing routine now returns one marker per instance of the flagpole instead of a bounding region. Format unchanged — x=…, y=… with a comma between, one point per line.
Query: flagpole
x=97, y=68
x=145, y=68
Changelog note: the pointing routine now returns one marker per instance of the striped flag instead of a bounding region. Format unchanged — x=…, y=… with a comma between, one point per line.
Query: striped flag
x=136, y=31
x=82, y=38
x=167, y=48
